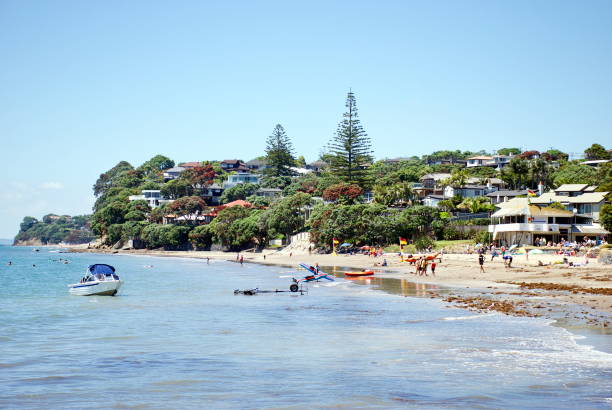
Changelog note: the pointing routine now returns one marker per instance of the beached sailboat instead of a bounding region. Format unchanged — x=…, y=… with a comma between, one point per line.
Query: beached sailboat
x=100, y=279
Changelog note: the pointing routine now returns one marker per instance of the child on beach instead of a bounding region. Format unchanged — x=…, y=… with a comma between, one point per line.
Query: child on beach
x=433, y=268
x=481, y=262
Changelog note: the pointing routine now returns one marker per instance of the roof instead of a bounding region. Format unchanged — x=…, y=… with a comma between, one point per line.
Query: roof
x=594, y=229
x=522, y=207
x=318, y=164
x=231, y=161
x=238, y=202
x=472, y=187
x=436, y=176
x=191, y=164
x=591, y=188
x=269, y=190
x=398, y=159
x=571, y=188
x=476, y=180
x=257, y=162
x=585, y=198
x=595, y=162
x=175, y=169
x=484, y=157
x=507, y=193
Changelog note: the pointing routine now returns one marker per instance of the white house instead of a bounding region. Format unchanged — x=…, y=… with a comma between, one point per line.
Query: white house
x=478, y=161
x=496, y=161
x=173, y=173
x=581, y=199
x=468, y=191
x=153, y=197
x=241, y=178
x=519, y=222
x=433, y=200
x=504, y=196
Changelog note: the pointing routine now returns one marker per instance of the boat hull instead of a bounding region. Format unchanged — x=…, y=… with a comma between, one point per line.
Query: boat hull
x=365, y=273
x=96, y=288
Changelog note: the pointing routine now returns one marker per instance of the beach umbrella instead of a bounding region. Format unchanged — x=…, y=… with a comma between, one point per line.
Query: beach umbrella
x=365, y=247
x=345, y=244
x=536, y=251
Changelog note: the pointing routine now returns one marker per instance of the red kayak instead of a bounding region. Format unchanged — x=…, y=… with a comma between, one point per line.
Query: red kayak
x=362, y=273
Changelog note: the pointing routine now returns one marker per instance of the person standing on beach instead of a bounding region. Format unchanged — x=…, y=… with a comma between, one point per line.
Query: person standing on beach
x=433, y=267
x=481, y=262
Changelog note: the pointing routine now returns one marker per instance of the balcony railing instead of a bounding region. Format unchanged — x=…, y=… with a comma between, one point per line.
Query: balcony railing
x=524, y=227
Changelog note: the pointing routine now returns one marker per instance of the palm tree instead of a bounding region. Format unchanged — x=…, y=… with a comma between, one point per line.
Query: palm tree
x=402, y=192
x=539, y=170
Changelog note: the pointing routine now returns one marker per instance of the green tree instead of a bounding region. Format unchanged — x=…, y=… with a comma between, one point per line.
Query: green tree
x=476, y=205
x=516, y=173
x=509, y=151
x=300, y=162
x=225, y=228
x=605, y=217
x=106, y=180
x=287, y=215
x=540, y=171
x=279, y=153
x=350, y=147
x=176, y=188
x=555, y=155
x=137, y=210
x=596, y=151
x=573, y=173
x=603, y=177
x=201, y=237
x=155, y=165
x=240, y=191
x=28, y=222
x=458, y=178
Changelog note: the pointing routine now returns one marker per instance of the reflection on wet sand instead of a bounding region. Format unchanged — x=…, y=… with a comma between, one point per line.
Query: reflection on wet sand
x=394, y=286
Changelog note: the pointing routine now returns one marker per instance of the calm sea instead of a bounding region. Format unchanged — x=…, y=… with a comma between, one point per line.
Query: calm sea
x=176, y=337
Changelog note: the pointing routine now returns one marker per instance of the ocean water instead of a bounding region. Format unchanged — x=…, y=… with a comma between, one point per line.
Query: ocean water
x=176, y=337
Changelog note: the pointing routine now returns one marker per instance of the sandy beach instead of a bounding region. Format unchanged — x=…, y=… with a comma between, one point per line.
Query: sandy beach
x=579, y=293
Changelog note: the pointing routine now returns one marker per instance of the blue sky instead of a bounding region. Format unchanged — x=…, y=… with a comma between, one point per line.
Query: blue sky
x=87, y=84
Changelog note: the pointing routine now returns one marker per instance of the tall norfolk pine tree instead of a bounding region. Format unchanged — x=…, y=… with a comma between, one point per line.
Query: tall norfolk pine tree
x=350, y=147
x=279, y=153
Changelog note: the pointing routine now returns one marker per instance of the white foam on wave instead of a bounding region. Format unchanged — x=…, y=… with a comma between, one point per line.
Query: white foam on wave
x=471, y=317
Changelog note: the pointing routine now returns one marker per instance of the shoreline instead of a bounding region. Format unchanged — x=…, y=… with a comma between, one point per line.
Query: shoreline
x=579, y=296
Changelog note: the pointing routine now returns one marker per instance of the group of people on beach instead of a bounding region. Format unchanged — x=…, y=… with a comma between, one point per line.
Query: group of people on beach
x=422, y=264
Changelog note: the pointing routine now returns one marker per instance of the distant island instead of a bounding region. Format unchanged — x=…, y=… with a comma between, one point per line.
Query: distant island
x=54, y=229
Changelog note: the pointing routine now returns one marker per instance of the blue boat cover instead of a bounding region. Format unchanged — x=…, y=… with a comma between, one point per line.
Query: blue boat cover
x=106, y=270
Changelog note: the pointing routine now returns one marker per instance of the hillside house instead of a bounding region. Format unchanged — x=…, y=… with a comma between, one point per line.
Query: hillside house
x=581, y=199
x=520, y=222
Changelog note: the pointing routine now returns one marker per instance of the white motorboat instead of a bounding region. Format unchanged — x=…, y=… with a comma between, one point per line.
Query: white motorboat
x=100, y=279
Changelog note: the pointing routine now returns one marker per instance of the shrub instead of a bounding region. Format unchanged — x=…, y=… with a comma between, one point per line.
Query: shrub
x=423, y=242
x=483, y=237
x=114, y=233
x=201, y=237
